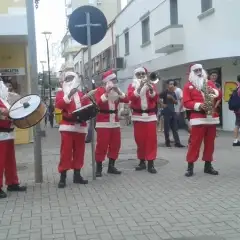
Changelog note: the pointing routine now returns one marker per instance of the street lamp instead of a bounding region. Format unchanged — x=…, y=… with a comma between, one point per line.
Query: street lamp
x=43, y=80
x=47, y=37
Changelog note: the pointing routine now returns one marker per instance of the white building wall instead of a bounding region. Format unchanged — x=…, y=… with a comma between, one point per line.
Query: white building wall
x=215, y=36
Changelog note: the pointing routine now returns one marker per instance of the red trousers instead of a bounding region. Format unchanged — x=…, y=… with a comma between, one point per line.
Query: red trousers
x=145, y=134
x=199, y=134
x=108, y=143
x=72, y=151
x=8, y=163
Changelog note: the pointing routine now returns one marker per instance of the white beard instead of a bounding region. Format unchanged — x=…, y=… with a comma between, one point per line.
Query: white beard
x=113, y=96
x=197, y=81
x=67, y=87
x=3, y=91
x=136, y=82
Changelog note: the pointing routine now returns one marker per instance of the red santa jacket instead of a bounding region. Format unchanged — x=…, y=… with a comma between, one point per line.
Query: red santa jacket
x=144, y=105
x=108, y=115
x=67, y=106
x=192, y=99
x=6, y=125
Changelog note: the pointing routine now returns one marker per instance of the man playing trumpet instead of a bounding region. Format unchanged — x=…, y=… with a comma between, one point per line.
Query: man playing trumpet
x=108, y=98
x=143, y=97
x=199, y=95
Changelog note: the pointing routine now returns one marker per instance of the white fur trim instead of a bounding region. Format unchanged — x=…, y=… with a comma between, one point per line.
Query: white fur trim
x=138, y=70
x=66, y=99
x=143, y=96
x=107, y=124
x=112, y=107
x=196, y=106
x=6, y=136
x=77, y=100
x=123, y=95
x=207, y=121
x=104, y=98
x=153, y=94
x=196, y=66
x=67, y=74
x=109, y=78
x=144, y=118
x=216, y=93
x=136, y=93
x=73, y=128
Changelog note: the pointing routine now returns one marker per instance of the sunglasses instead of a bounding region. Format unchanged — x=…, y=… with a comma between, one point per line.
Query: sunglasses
x=140, y=74
x=198, y=70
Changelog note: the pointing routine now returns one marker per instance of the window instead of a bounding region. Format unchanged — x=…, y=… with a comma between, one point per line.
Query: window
x=145, y=30
x=173, y=12
x=206, y=4
x=126, y=37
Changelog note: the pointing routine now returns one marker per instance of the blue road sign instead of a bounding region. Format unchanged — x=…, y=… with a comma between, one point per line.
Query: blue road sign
x=78, y=25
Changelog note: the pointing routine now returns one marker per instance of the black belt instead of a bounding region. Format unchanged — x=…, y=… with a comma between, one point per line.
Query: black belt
x=108, y=111
x=153, y=110
x=194, y=111
x=69, y=119
x=6, y=130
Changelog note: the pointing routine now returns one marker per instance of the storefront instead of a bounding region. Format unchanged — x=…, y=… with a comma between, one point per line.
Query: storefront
x=13, y=71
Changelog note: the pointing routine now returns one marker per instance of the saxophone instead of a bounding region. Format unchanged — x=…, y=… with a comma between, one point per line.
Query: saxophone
x=209, y=99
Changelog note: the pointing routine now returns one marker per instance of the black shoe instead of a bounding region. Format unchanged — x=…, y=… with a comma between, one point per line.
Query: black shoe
x=112, y=169
x=151, y=168
x=2, y=194
x=141, y=166
x=167, y=144
x=208, y=168
x=62, y=182
x=179, y=145
x=99, y=169
x=16, y=188
x=236, y=144
x=189, y=172
x=77, y=178
x=88, y=141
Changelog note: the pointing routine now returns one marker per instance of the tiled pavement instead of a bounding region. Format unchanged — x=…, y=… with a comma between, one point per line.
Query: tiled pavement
x=134, y=206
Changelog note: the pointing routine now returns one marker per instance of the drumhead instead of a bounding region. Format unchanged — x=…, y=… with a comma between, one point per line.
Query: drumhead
x=81, y=108
x=17, y=111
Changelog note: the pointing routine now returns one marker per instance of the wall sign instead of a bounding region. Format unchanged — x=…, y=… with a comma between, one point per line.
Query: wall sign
x=229, y=87
x=12, y=71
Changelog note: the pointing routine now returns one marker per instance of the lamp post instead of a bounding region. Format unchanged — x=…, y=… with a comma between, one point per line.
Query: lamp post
x=43, y=80
x=47, y=37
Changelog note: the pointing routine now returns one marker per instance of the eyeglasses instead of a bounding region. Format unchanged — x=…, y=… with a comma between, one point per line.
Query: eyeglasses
x=140, y=74
x=198, y=70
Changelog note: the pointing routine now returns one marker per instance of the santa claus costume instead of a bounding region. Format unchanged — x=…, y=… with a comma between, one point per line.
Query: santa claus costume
x=108, y=98
x=143, y=104
x=203, y=127
x=72, y=132
x=7, y=149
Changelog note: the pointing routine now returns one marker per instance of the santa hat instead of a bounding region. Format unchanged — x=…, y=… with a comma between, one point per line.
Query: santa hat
x=195, y=66
x=140, y=69
x=108, y=76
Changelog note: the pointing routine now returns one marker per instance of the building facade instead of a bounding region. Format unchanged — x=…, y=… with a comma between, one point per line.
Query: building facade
x=14, y=63
x=167, y=35
x=70, y=47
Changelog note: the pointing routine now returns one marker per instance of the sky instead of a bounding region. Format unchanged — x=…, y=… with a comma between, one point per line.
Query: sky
x=50, y=16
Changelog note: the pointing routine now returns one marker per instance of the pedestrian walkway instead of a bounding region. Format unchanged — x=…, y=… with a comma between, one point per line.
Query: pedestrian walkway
x=134, y=206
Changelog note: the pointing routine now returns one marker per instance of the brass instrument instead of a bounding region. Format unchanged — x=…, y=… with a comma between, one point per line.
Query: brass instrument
x=209, y=99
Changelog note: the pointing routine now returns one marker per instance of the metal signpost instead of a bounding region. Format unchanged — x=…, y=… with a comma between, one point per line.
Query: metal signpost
x=88, y=26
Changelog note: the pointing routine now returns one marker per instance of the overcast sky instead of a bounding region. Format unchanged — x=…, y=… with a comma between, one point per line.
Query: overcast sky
x=50, y=16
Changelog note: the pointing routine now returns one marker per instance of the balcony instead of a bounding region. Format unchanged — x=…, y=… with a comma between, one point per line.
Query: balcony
x=169, y=39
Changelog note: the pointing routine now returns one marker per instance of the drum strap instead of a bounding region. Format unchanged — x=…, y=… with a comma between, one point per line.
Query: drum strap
x=108, y=111
x=153, y=110
x=6, y=130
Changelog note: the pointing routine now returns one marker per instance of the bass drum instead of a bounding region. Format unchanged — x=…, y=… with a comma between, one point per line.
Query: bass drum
x=27, y=111
x=85, y=113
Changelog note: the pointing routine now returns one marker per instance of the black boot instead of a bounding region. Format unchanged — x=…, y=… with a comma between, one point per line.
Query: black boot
x=189, y=172
x=151, y=168
x=62, y=182
x=16, y=188
x=141, y=166
x=77, y=178
x=111, y=167
x=99, y=169
x=2, y=194
x=208, y=168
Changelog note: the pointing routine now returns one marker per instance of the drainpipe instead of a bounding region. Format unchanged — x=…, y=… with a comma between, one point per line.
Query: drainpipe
x=113, y=48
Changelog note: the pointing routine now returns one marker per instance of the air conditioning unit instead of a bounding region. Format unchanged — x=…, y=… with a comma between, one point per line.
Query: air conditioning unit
x=119, y=63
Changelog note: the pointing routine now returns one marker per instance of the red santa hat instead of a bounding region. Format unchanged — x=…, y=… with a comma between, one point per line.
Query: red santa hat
x=195, y=66
x=108, y=76
x=140, y=69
